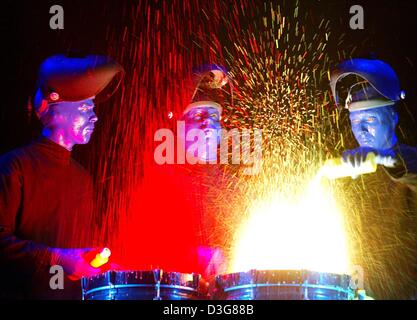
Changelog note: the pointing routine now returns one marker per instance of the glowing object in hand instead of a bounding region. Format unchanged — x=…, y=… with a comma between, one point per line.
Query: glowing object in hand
x=337, y=168
x=101, y=258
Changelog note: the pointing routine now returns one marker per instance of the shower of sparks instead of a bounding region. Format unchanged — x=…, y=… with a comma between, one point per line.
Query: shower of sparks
x=280, y=69
x=279, y=59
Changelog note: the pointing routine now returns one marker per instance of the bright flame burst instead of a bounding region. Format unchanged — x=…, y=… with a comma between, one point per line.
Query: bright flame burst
x=283, y=234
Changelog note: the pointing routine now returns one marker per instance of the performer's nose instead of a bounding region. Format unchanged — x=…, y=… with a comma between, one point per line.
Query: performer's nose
x=364, y=127
x=93, y=118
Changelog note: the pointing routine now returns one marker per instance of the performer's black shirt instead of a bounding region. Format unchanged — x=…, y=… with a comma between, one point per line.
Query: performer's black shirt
x=45, y=201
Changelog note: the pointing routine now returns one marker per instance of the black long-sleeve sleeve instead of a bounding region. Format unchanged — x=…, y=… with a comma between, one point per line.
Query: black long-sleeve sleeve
x=21, y=261
x=45, y=203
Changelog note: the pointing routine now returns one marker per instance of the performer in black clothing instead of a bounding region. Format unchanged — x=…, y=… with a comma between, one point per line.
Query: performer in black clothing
x=371, y=92
x=384, y=203
x=46, y=196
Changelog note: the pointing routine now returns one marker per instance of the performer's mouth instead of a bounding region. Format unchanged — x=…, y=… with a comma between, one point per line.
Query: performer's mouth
x=365, y=139
x=89, y=130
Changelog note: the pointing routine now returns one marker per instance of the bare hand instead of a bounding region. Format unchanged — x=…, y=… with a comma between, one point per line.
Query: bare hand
x=357, y=156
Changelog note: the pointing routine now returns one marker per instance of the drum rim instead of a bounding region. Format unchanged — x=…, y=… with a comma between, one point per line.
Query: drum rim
x=109, y=278
x=125, y=286
x=249, y=278
x=306, y=286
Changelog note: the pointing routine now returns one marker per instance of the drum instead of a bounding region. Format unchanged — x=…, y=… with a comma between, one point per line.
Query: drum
x=141, y=285
x=283, y=285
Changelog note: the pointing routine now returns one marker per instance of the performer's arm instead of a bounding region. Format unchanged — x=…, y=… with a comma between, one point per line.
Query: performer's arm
x=405, y=169
x=23, y=256
x=26, y=258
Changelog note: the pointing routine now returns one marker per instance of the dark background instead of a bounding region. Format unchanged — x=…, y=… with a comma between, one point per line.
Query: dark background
x=389, y=34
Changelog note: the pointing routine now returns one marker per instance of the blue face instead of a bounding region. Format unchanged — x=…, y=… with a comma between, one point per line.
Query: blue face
x=206, y=119
x=202, y=118
x=74, y=121
x=374, y=128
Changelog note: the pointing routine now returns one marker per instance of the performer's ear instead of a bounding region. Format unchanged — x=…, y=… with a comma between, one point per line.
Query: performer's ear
x=40, y=105
x=43, y=108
